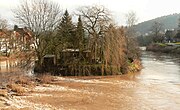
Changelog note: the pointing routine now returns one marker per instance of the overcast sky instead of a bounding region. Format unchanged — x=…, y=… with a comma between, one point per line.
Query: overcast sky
x=145, y=9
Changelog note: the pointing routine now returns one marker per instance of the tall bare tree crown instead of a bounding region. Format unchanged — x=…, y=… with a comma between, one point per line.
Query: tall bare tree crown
x=38, y=15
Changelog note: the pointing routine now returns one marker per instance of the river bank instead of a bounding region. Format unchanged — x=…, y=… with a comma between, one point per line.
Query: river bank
x=164, y=48
x=156, y=87
x=74, y=93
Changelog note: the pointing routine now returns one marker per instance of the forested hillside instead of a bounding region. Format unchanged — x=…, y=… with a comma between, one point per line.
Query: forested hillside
x=169, y=22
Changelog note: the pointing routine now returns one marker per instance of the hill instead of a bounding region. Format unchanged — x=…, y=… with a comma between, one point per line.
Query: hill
x=169, y=22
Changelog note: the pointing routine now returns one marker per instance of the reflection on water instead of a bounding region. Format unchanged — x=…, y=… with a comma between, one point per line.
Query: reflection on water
x=160, y=68
x=8, y=65
x=16, y=65
x=161, y=77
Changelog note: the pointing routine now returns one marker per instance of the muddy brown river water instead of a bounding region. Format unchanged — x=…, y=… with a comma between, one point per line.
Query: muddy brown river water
x=156, y=87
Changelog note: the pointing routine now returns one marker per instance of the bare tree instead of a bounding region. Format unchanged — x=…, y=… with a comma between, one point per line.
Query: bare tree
x=96, y=19
x=157, y=29
x=42, y=18
x=131, y=18
x=131, y=36
x=3, y=23
x=5, y=35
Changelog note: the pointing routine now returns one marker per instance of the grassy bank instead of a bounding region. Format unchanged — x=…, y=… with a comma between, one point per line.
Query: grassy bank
x=165, y=47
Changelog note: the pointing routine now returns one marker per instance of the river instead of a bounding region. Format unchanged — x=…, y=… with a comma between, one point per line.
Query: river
x=161, y=74
x=156, y=87
x=160, y=68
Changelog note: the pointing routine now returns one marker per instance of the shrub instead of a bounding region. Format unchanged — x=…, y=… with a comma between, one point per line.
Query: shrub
x=16, y=82
x=17, y=88
x=45, y=78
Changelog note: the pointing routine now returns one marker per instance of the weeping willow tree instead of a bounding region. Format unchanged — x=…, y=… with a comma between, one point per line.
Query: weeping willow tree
x=114, y=59
x=106, y=44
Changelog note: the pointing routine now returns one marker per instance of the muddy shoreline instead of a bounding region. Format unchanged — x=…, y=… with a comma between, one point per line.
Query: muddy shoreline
x=156, y=87
x=79, y=93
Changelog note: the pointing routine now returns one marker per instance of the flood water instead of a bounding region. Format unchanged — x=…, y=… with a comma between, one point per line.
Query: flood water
x=161, y=76
x=160, y=68
x=156, y=87
x=8, y=65
x=16, y=65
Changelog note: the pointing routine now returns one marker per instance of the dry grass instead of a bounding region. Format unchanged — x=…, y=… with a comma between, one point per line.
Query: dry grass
x=20, y=83
x=3, y=92
x=45, y=78
x=25, y=81
x=16, y=82
x=17, y=88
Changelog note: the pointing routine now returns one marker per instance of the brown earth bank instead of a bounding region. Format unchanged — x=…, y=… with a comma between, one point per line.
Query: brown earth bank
x=87, y=93
x=2, y=58
x=164, y=48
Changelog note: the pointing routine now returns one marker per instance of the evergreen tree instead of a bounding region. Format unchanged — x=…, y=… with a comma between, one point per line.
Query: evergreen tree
x=80, y=35
x=66, y=30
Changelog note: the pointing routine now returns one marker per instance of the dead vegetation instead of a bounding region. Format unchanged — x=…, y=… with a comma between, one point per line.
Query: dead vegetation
x=17, y=88
x=19, y=84
x=45, y=78
x=3, y=92
x=15, y=83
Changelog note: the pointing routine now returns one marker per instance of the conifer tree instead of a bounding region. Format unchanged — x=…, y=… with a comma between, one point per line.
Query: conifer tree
x=66, y=30
x=80, y=35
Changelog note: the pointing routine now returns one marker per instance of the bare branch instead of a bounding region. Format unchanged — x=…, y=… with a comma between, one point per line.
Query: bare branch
x=3, y=23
